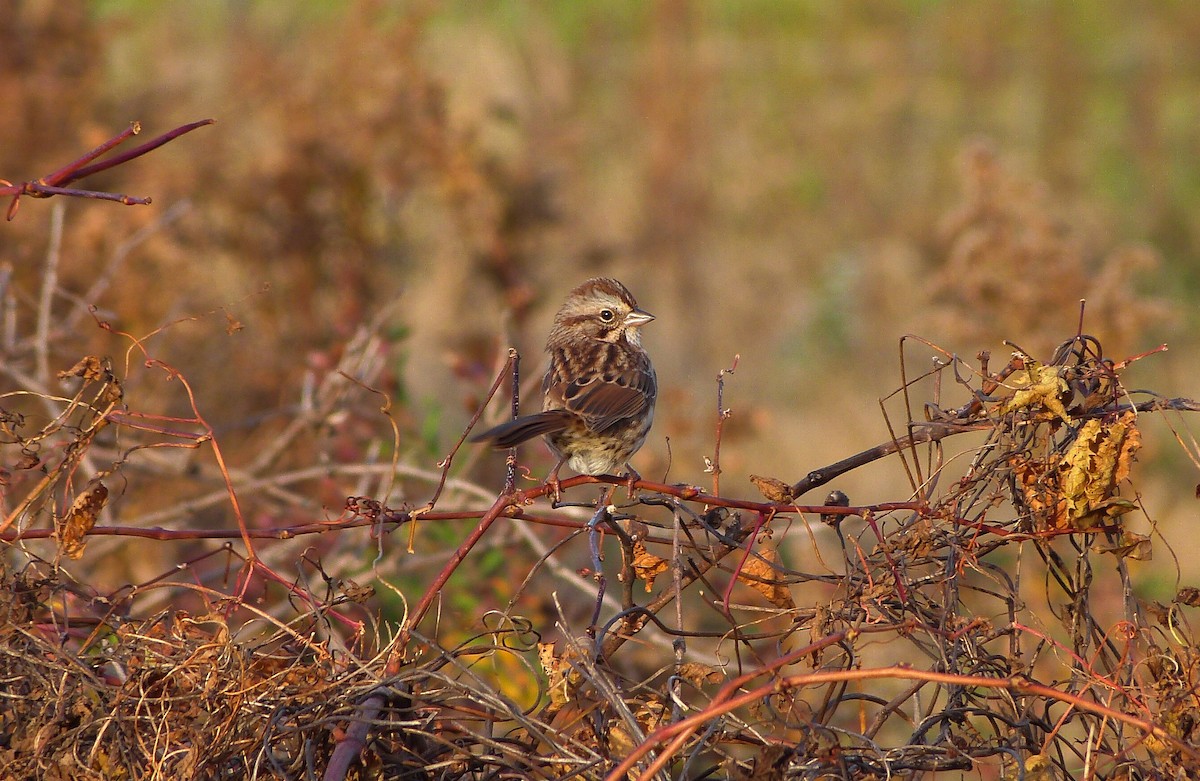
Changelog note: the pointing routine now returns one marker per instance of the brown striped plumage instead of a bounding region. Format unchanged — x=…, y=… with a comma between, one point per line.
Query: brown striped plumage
x=599, y=392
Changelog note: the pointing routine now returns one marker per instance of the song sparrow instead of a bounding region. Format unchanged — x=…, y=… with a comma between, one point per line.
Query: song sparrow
x=600, y=388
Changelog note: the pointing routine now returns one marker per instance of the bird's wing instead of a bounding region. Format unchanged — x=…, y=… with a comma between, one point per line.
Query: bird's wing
x=603, y=400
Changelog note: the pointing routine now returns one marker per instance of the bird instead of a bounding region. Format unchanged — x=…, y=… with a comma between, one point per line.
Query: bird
x=599, y=391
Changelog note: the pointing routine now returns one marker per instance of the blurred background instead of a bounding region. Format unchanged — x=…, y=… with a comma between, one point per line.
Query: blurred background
x=799, y=184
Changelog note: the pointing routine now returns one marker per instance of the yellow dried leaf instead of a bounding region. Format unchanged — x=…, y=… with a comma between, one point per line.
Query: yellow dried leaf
x=1039, y=389
x=1038, y=768
x=1130, y=444
x=1179, y=723
x=761, y=573
x=647, y=566
x=620, y=740
x=1132, y=546
x=561, y=677
x=1090, y=470
x=651, y=715
x=79, y=520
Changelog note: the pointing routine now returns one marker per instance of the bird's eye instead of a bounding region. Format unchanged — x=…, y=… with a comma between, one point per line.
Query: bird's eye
x=607, y=315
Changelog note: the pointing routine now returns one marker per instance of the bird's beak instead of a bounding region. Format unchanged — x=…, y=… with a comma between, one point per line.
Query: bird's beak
x=637, y=317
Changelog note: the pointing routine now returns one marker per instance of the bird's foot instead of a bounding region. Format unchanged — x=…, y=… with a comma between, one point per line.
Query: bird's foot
x=631, y=478
x=555, y=486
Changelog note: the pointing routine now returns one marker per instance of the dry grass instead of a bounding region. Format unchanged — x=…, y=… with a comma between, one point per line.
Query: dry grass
x=991, y=617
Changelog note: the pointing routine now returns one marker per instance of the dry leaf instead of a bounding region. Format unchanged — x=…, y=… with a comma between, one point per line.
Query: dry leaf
x=699, y=674
x=1096, y=462
x=27, y=460
x=620, y=740
x=80, y=519
x=1160, y=613
x=561, y=677
x=1037, y=768
x=761, y=573
x=1040, y=389
x=1039, y=485
x=1179, y=724
x=1132, y=546
x=89, y=368
x=1188, y=595
x=1129, y=446
x=772, y=489
x=651, y=714
x=646, y=565
x=356, y=593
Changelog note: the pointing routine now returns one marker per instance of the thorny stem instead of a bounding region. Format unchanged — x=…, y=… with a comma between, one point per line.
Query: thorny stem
x=510, y=462
x=722, y=416
x=600, y=516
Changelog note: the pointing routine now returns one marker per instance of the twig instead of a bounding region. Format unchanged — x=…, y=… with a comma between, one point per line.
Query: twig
x=41, y=343
x=444, y=464
x=52, y=184
x=510, y=462
x=679, y=731
x=722, y=415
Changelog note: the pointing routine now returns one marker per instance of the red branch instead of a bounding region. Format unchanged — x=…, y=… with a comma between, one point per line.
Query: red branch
x=54, y=183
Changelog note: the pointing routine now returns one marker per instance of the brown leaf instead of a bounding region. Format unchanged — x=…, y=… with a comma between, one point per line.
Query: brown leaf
x=647, y=566
x=649, y=715
x=80, y=519
x=1090, y=470
x=27, y=460
x=1129, y=446
x=1188, y=595
x=1039, y=484
x=356, y=593
x=1179, y=722
x=699, y=674
x=1158, y=611
x=620, y=739
x=561, y=677
x=89, y=368
x=761, y=573
x=1039, y=389
x=772, y=489
x=1132, y=546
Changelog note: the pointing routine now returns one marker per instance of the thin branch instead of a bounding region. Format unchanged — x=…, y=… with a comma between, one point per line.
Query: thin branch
x=53, y=183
